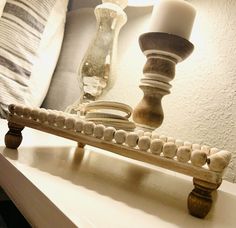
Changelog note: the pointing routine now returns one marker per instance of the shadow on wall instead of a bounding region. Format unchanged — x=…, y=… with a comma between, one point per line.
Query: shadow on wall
x=76, y=4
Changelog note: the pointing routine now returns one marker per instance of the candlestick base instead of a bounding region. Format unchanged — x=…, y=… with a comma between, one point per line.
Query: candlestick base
x=163, y=52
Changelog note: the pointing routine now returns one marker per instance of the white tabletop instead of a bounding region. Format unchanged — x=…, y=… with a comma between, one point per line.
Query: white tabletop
x=54, y=185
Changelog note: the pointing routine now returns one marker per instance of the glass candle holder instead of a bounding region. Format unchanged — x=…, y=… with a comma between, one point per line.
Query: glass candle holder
x=97, y=71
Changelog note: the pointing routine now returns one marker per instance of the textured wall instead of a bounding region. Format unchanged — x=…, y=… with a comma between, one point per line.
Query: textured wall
x=202, y=105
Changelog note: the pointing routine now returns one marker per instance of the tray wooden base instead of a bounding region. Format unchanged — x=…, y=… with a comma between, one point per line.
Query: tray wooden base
x=205, y=180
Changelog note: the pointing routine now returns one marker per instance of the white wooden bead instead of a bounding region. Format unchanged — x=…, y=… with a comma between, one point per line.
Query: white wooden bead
x=26, y=112
x=163, y=138
x=196, y=146
x=88, y=128
x=109, y=133
x=219, y=161
x=35, y=114
x=147, y=133
x=198, y=158
x=79, y=125
x=140, y=132
x=179, y=142
x=51, y=118
x=206, y=149
x=132, y=139
x=188, y=144
x=61, y=113
x=11, y=108
x=156, y=146
x=226, y=155
x=76, y=117
x=144, y=143
x=99, y=131
x=70, y=123
x=120, y=136
x=155, y=135
x=183, y=154
x=60, y=121
x=19, y=110
x=170, y=139
x=214, y=150
x=169, y=150
x=42, y=116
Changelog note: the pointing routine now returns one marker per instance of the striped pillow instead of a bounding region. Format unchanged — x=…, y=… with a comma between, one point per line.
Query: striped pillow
x=21, y=30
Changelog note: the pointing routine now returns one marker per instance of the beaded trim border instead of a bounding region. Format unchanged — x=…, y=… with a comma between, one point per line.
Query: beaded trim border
x=194, y=160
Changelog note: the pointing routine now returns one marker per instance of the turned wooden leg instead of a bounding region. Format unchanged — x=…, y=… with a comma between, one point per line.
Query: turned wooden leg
x=200, y=199
x=13, y=138
x=81, y=145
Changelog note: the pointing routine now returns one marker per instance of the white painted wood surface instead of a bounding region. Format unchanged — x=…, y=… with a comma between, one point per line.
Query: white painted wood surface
x=51, y=184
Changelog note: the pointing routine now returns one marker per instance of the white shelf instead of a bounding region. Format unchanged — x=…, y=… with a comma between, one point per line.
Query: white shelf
x=53, y=187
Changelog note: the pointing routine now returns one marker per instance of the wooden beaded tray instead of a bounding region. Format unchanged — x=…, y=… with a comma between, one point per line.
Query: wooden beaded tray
x=205, y=165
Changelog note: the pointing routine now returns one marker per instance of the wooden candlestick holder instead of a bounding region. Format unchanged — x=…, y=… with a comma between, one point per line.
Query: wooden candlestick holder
x=163, y=52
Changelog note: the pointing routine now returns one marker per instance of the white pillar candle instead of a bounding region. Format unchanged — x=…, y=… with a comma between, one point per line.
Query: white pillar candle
x=174, y=17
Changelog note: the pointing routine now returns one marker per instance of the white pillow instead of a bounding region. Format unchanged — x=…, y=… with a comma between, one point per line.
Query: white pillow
x=2, y=4
x=65, y=88
x=27, y=28
x=48, y=53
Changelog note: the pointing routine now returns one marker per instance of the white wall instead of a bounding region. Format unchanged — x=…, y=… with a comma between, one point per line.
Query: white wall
x=202, y=105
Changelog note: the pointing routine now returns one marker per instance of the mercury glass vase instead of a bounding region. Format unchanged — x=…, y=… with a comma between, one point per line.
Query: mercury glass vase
x=97, y=71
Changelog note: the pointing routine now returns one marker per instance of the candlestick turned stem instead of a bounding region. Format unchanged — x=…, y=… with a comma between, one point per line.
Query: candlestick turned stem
x=163, y=52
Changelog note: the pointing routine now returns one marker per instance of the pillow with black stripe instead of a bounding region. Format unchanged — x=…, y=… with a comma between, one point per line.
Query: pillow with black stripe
x=23, y=26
